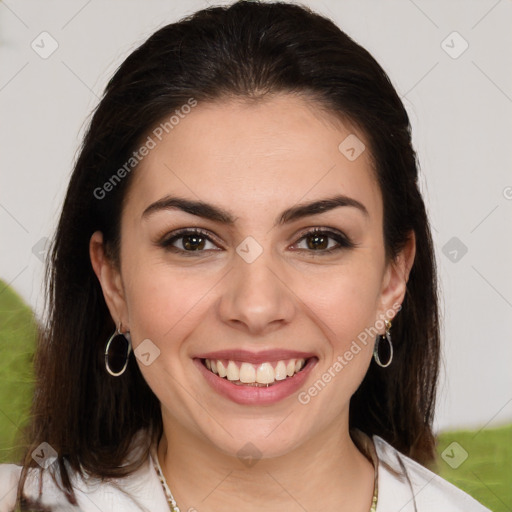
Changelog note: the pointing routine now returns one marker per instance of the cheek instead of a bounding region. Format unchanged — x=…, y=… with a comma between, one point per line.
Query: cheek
x=346, y=312
x=163, y=303
x=164, y=306
x=345, y=300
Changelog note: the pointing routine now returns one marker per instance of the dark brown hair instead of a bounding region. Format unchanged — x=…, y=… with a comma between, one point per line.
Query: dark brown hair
x=248, y=50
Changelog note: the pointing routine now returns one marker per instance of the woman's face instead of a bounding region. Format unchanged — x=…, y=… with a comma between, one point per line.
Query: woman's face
x=257, y=289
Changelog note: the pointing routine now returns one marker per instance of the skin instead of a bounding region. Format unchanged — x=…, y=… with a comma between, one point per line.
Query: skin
x=255, y=160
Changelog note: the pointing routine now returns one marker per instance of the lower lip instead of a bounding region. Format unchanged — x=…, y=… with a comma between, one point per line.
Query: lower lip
x=254, y=395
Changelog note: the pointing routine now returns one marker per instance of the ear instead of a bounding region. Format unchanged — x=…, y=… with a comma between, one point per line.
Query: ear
x=110, y=280
x=394, y=283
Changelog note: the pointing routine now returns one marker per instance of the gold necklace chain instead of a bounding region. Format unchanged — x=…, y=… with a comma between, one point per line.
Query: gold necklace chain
x=173, y=507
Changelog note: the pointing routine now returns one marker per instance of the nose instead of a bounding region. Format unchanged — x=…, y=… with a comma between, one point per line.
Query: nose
x=256, y=297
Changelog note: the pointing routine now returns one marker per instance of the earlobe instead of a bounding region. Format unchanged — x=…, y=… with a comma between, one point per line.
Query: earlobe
x=397, y=275
x=110, y=279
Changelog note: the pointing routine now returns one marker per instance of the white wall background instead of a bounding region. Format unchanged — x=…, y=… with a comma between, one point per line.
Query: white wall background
x=462, y=124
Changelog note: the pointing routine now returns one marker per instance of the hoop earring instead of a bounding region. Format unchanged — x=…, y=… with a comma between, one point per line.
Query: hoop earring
x=117, y=352
x=377, y=348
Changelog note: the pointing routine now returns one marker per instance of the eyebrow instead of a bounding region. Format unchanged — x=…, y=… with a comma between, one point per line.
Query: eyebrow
x=217, y=214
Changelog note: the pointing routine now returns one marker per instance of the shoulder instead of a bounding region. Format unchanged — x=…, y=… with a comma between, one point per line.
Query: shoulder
x=404, y=485
x=9, y=476
x=140, y=491
x=41, y=492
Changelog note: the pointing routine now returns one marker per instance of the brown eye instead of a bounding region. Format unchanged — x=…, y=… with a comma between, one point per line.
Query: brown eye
x=188, y=241
x=324, y=241
x=317, y=241
x=193, y=242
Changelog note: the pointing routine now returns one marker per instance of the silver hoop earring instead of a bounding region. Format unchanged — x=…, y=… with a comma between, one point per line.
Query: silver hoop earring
x=117, y=352
x=387, y=357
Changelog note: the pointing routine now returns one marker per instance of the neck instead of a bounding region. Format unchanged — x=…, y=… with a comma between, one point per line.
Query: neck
x=326, y=473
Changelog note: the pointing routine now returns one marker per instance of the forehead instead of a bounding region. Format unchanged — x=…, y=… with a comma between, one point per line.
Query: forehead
x=251, y=156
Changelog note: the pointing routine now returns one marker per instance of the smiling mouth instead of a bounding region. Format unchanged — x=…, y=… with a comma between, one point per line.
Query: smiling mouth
x=257, y=375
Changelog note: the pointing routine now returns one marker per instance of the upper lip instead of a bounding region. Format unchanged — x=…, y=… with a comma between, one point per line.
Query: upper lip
x=255, y=357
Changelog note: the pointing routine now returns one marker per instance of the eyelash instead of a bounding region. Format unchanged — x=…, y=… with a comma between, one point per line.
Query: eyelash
x=342, y=240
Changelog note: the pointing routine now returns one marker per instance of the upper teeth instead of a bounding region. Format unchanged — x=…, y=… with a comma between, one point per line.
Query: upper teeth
x=263, y=373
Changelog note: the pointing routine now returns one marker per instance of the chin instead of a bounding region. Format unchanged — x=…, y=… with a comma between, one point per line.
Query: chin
x=258, y=439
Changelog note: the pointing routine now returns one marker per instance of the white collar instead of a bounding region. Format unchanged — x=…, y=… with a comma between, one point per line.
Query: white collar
x=403, y=486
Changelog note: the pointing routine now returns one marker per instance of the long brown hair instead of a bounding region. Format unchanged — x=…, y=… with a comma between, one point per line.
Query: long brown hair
x=246, y=50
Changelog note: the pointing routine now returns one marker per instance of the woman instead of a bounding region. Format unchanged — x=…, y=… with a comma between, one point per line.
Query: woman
x=242, y=289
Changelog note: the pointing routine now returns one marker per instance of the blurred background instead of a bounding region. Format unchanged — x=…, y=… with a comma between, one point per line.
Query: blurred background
x=450, y=62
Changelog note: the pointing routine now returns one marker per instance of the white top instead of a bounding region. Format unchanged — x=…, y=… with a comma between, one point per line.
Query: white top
x=403, y=486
